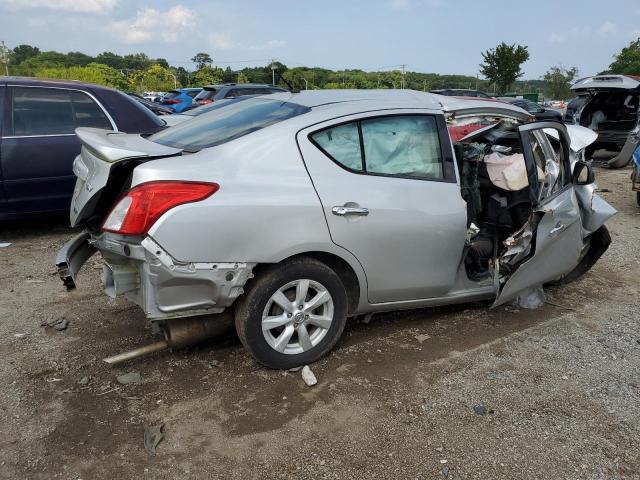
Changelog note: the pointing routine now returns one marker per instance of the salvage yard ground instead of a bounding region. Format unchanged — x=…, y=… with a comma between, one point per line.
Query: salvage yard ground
x=556, y=391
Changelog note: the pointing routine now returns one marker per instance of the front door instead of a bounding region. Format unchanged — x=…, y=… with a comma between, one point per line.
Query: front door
x=557, y=240
x=388, y=189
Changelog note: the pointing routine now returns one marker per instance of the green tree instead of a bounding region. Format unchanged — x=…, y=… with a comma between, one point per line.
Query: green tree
x=111, y=59
x=559, y=81
x=91, y=73
x=207, y=75
x=22, y=52
x=202, y=60
x=628, y=60
x=155, y=78
x=242, y=78
x=502, y=65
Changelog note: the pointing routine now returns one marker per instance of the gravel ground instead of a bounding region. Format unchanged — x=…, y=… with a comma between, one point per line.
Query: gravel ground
x=459, y=392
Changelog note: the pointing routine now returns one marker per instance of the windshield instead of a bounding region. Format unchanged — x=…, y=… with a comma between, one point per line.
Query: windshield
x=225, y=102
x=225, y=124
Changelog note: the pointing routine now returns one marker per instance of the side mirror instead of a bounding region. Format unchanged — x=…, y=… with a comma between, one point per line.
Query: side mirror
x=582, y=173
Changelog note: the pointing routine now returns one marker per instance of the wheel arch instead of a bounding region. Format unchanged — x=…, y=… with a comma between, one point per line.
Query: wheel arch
x=352, y=277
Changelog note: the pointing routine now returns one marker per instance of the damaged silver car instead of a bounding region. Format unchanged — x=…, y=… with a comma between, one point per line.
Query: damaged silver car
x=295, y=211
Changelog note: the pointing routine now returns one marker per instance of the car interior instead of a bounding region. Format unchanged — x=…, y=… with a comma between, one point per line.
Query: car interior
x=613, y=115
x=494, y=183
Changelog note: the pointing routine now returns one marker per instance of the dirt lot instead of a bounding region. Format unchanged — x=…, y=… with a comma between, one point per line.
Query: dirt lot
x=561, y=385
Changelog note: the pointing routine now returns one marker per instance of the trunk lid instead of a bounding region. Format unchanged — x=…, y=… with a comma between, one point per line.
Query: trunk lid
x=103, y=169
x=606, y=83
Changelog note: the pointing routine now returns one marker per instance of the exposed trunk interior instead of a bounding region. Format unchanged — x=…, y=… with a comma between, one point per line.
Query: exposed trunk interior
x=612, y=114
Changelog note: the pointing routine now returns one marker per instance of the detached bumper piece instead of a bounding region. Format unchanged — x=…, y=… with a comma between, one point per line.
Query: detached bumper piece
x=72, y=256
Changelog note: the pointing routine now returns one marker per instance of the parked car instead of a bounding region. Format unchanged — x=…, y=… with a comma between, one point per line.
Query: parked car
x=635, y=174
x=573, y=106
x=295, y=211
x=611, y=110
x=180, y=99
x=211, y=93
x=461, y=92
x=153, y=106
x=153, y=96
x=540, y=113
x=38, y=143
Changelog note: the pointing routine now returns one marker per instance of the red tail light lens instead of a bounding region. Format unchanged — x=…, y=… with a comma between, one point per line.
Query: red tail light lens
x=205, y=101
x=172, y=101
x=139, y=209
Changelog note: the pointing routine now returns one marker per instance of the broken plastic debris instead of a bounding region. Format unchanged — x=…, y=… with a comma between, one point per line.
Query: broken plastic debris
x=532, y=298
x=308, y=376
x=421, y=338
x=4, y=244
x=152, y=437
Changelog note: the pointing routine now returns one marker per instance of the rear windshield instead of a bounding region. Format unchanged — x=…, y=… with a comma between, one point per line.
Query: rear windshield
x=206, y=93
x=169, y=95
x=226, y=124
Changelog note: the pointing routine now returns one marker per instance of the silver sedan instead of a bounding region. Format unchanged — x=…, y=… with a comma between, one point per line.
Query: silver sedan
x=294, y=212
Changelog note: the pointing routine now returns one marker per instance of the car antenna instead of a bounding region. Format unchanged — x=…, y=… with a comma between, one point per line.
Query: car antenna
x=291, y=89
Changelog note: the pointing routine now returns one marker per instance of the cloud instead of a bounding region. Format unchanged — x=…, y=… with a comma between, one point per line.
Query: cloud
x=221, y=41
x=152, y=24
x=270, y=45
x=608, y=28
x=399, y=4
x=555, y=38
x=82, y=6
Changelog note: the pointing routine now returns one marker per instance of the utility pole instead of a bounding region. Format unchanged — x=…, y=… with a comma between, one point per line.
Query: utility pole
x=273, y=72
x=5, y=57
x=403, y=72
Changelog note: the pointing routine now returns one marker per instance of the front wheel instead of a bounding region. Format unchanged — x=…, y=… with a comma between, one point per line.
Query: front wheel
x=292, y=314
x=596, y=244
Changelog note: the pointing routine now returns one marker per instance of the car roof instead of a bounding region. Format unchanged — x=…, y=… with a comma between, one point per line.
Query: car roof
x=242, y=85
x=50, y=82
x=392, y=98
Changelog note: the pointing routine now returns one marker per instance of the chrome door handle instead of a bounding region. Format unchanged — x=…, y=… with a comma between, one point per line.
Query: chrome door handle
x=557, y=229
x=342, y=211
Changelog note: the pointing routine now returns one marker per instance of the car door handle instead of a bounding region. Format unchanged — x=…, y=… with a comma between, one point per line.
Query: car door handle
x=557, y=229
x=358, y=211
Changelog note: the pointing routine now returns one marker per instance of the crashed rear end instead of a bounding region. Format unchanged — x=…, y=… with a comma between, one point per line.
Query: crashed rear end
x=135, y=265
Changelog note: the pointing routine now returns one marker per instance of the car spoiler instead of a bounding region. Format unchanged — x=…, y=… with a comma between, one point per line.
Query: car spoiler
x=113, y=146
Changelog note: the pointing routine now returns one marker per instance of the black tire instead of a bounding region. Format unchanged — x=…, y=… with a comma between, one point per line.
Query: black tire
x=638, y=198
x=598, y=244
x=251, y=305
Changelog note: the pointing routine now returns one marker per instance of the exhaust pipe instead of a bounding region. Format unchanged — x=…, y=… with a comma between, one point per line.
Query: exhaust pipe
x=181, y=333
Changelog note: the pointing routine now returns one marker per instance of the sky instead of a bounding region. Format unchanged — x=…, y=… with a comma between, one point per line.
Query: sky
x=440, y=36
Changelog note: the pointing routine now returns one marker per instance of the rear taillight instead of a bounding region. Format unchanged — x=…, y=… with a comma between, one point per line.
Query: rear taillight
x=139, y=209
x=172, y=101
x=205, y=101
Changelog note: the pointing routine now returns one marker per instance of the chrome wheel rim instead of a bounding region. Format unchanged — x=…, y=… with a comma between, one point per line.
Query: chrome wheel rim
x=297, y=316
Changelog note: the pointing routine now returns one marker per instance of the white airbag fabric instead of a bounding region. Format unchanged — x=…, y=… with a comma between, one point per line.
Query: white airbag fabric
x=508, y=172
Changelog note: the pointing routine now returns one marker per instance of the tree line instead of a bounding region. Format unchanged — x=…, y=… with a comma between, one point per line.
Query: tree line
x=501, y=69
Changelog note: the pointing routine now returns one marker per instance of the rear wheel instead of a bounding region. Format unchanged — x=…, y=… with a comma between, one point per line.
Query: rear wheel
x=292, y=314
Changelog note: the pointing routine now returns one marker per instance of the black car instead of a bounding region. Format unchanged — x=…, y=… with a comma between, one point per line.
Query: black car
x=540, y=113
x=38, y=119
x=153, y=106
x=461, y=92
x=211, y=93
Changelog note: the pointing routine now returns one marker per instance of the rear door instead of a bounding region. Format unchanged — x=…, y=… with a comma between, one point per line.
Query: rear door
x=388, y=189
x=39, y=145
x=556, y=242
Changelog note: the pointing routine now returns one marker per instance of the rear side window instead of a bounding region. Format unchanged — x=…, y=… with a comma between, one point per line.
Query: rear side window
x=206, y=94
x=342, y=143
x=228, y=123
x=403, y=146
x=87, y=112
x=42, y=111
x=193, y=93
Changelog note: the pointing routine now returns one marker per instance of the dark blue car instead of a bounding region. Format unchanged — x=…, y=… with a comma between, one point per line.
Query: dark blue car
x=180, y=99
x=38, y=119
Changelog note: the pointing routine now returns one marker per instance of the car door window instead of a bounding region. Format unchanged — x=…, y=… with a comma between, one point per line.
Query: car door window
x=42, y=111
x=403, y=146
x=232, y=94
x=549, y=157
x=87, y=112
x=342, y=144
